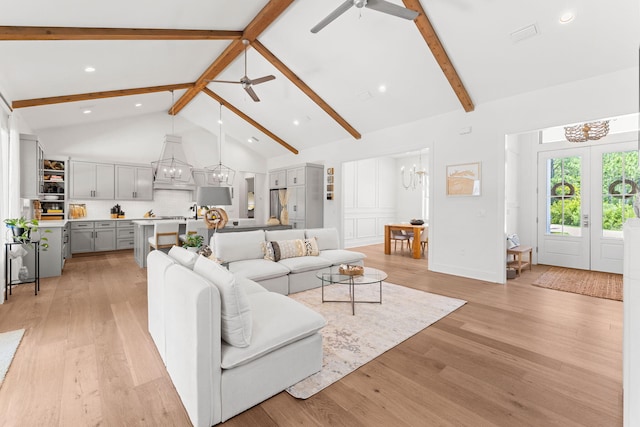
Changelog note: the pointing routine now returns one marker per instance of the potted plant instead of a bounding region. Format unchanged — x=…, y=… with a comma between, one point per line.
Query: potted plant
x=26, y=231
x=192, y=242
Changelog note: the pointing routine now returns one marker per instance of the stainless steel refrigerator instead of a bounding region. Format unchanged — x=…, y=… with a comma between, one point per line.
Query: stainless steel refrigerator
x=274, y=204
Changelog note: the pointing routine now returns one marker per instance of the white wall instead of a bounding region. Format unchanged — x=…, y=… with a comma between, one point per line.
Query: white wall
x=467, y=234
x=409, y=201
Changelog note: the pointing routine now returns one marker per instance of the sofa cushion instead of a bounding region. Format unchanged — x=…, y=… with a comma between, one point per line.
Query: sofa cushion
x=236, y=246
x=277, y=321
x=327, y=237
x=291, y=234
x=304, y=263
x=249, y=286
x=183, y=256
x=341, y=256
x=236, y=313
x=258, y=269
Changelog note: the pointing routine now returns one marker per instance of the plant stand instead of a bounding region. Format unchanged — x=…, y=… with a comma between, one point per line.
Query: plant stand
x=8, y=267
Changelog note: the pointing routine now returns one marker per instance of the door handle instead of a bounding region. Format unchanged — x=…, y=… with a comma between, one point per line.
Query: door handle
x=585, y=220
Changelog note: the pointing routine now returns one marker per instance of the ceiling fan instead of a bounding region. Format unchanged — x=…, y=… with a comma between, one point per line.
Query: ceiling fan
x=379, y=5
x=245, y=81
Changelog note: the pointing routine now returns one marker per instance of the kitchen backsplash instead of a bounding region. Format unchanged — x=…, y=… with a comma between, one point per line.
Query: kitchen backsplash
x=164, y=203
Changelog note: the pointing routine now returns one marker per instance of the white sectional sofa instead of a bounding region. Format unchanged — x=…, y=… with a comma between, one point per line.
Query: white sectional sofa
x=244, y=255
x=227, y=343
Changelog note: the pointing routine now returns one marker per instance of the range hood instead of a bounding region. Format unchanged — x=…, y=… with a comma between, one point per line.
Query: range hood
x=172, y=171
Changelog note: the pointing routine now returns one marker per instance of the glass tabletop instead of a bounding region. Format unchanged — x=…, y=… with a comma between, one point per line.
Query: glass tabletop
x=370, y=275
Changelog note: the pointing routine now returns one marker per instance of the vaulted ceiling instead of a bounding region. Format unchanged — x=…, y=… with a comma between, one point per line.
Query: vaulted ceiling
x=458, y=54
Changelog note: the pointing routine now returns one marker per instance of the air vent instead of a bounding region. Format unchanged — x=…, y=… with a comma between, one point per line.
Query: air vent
x=524, y=33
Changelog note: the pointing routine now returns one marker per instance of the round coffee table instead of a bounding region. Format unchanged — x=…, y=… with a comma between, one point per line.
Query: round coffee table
x=370, y=276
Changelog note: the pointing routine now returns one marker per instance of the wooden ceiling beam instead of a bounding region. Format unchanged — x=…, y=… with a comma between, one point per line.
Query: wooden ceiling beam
x=260, y=22
x=249, y=120
x=269, y=56
x=97, y=95
x=439, y=53
x=89, y=33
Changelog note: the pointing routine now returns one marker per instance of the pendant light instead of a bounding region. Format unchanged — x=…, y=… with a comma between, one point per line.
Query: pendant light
x=172, y=165
x=220, y=174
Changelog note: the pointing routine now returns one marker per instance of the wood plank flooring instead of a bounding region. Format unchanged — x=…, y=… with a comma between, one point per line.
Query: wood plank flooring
x=514, y=355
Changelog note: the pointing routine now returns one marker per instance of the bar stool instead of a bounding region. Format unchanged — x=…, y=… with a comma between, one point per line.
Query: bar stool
x=165, y=235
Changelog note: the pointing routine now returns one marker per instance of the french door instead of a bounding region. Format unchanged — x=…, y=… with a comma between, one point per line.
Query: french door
x=584, y=196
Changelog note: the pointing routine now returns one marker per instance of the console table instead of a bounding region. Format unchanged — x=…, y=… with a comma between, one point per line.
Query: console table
x=8, y=282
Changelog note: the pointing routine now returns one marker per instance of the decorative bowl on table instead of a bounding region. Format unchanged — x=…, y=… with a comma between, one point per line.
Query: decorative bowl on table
x=351, y=270
x=416, y=222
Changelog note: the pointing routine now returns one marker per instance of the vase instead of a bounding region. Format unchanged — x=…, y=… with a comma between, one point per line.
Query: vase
x=23, y=273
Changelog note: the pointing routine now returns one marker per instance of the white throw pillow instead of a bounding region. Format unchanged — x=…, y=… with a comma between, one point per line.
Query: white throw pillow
x=183, y=256
x=236, y=312
x=327, y=237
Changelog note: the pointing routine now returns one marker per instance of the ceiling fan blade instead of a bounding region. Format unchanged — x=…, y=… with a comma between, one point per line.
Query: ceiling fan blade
x=262, y=79
x=223, y=81
x=251, y=93
x=392, y=9
x=333, y=15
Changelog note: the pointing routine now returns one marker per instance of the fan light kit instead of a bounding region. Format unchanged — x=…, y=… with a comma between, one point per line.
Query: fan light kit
x=379, y=5
x=245, y=81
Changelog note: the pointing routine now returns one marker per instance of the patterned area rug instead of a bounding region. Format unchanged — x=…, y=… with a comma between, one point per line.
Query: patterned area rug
x=9, y=342
x=592, y=283
x=350, y=341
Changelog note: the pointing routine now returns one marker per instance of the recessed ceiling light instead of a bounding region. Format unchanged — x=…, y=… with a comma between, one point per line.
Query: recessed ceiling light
x=296, y=122
x=86, y=111
x=567, y=17
x=382, y=88
x=253, y=139
x=250, y=141
x=89, y=69
x=219, y=121
x=138, y=105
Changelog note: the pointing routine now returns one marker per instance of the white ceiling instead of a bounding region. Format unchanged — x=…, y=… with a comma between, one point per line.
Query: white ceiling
x=344, y=63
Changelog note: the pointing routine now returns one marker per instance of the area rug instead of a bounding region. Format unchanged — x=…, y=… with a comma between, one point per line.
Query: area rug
x=350, y=341
x=9, y=342
x=592, y=283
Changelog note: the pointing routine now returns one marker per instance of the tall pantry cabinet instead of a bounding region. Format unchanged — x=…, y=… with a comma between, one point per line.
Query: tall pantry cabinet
x=305, y=188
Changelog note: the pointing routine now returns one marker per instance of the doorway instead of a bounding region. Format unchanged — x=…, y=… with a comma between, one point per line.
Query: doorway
x=584, y=196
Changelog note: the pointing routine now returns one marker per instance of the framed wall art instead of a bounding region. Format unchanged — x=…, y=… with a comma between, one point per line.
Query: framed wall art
x=464, y=179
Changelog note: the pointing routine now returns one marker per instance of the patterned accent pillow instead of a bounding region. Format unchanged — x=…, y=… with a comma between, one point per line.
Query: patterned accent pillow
x=277, y=250
x=312, y=246
x=267, y=249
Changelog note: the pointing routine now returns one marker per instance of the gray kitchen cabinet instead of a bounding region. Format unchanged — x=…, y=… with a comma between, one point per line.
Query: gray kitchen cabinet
x=124, y=235
x=92, y=180
x=133, y=182
x=93, y=236
x=31, y=167
x=51, y=258
x=305, y=185
x=277, y=179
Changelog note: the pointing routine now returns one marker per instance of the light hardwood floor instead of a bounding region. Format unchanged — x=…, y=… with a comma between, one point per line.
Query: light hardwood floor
x=514, y=355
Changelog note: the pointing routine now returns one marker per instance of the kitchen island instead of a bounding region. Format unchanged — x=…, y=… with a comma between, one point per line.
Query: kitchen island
x=143, y=229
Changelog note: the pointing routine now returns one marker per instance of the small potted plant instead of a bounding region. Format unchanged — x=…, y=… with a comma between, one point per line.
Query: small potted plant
x=27, y=231
x=193, y=242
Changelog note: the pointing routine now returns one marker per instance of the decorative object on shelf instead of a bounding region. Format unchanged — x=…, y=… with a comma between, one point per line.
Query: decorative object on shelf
x=416, y=222
x=220, y=174
x=351, y=270
x=463, y=179
x=273, y=221
x=417, y=176
x=172, y=166
x=216, y=218
x=587, y=131
x=330, y=183
x=283, y=195
x=23, y=273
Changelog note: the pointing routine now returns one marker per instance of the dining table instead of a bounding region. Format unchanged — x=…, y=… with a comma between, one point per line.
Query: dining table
x=416, y=229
